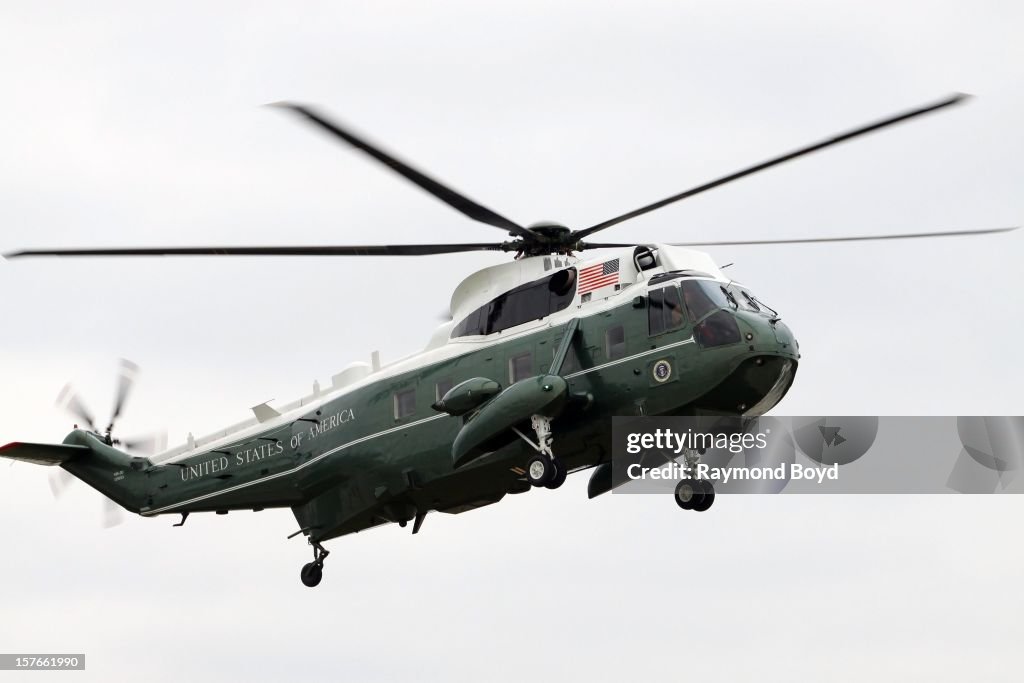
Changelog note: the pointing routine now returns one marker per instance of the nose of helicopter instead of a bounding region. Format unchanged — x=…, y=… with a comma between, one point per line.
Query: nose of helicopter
x=771, y=365
x=765, y=335
x=786, y=343
x=762, y=366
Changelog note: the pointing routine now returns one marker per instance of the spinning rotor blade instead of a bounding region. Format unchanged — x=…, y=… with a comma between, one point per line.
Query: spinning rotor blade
x=327, y=250
x=125, y=379
x=836, y=139
x=811, y=240
x=112, y=514
x=69, y=401
x=60, y=480
x=446, y=194
x=541, y=240
x=147, y=444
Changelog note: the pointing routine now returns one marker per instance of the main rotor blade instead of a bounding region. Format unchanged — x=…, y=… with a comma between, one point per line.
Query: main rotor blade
x=446, y=194
x=125, y=378
x=836, y=139
x=811, y=240
x=327, y=250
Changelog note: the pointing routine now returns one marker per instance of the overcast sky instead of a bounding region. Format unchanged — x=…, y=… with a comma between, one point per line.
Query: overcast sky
x=127, y=126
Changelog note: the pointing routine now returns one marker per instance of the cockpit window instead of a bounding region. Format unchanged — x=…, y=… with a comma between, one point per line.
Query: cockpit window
x=664, y=310
x=731, y=299
x=532, y=301
x=702, y=297
x=749, y=302
x=674, y=316
x=718, y=329
x=763, y=306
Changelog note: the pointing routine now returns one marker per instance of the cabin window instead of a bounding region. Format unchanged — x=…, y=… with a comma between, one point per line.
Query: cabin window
x=442, y=387
x=520, y=366
x=615, y=342
x=532, y=301
x=655, y=311
x=405, y=403
x=664, y=310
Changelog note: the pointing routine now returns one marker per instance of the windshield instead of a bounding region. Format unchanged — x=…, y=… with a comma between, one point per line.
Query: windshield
x=702, y=297
x=748, y=302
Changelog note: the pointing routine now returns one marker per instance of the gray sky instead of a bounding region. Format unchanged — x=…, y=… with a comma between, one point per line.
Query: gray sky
x=130, y=126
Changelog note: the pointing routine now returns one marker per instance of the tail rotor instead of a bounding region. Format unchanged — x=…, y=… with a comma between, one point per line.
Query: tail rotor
x=127, y=371
x=68, y=400
x=60, y=481
x=126, y=374
x=147, y=444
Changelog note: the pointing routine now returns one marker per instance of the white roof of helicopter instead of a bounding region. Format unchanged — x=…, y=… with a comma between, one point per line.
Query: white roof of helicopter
x=483, y=285
x=474, y=291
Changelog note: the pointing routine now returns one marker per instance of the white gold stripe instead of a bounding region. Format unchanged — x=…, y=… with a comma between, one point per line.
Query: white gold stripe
x=318, y=458
x=629, y=358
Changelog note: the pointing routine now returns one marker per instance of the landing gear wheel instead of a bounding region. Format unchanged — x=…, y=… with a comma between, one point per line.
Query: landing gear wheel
x=560, y=474
x=540, y=469
x=689, y=493
x=312, y=573
x=707, y=498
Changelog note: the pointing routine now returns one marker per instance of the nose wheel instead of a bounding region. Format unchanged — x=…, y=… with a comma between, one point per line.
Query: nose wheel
x=313, y=572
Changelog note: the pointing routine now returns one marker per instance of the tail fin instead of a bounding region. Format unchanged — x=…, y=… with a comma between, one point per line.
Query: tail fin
x=117, y=475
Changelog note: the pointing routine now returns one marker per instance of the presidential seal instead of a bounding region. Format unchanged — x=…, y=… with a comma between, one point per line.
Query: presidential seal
x=661, y=371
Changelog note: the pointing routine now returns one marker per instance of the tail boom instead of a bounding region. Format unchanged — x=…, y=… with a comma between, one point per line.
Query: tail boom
x=117, y=475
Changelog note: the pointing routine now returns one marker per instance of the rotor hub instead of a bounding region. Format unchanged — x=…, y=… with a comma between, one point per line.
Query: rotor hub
x=554, y=232
x=551, y=238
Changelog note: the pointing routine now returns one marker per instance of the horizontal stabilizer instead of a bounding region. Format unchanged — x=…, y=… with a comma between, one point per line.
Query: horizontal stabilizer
x=41, y=453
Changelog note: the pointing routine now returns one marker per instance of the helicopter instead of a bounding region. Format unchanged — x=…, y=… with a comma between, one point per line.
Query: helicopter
x=513, y=393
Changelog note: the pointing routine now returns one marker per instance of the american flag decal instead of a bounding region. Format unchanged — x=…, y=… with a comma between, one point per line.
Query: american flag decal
x=599, y=275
